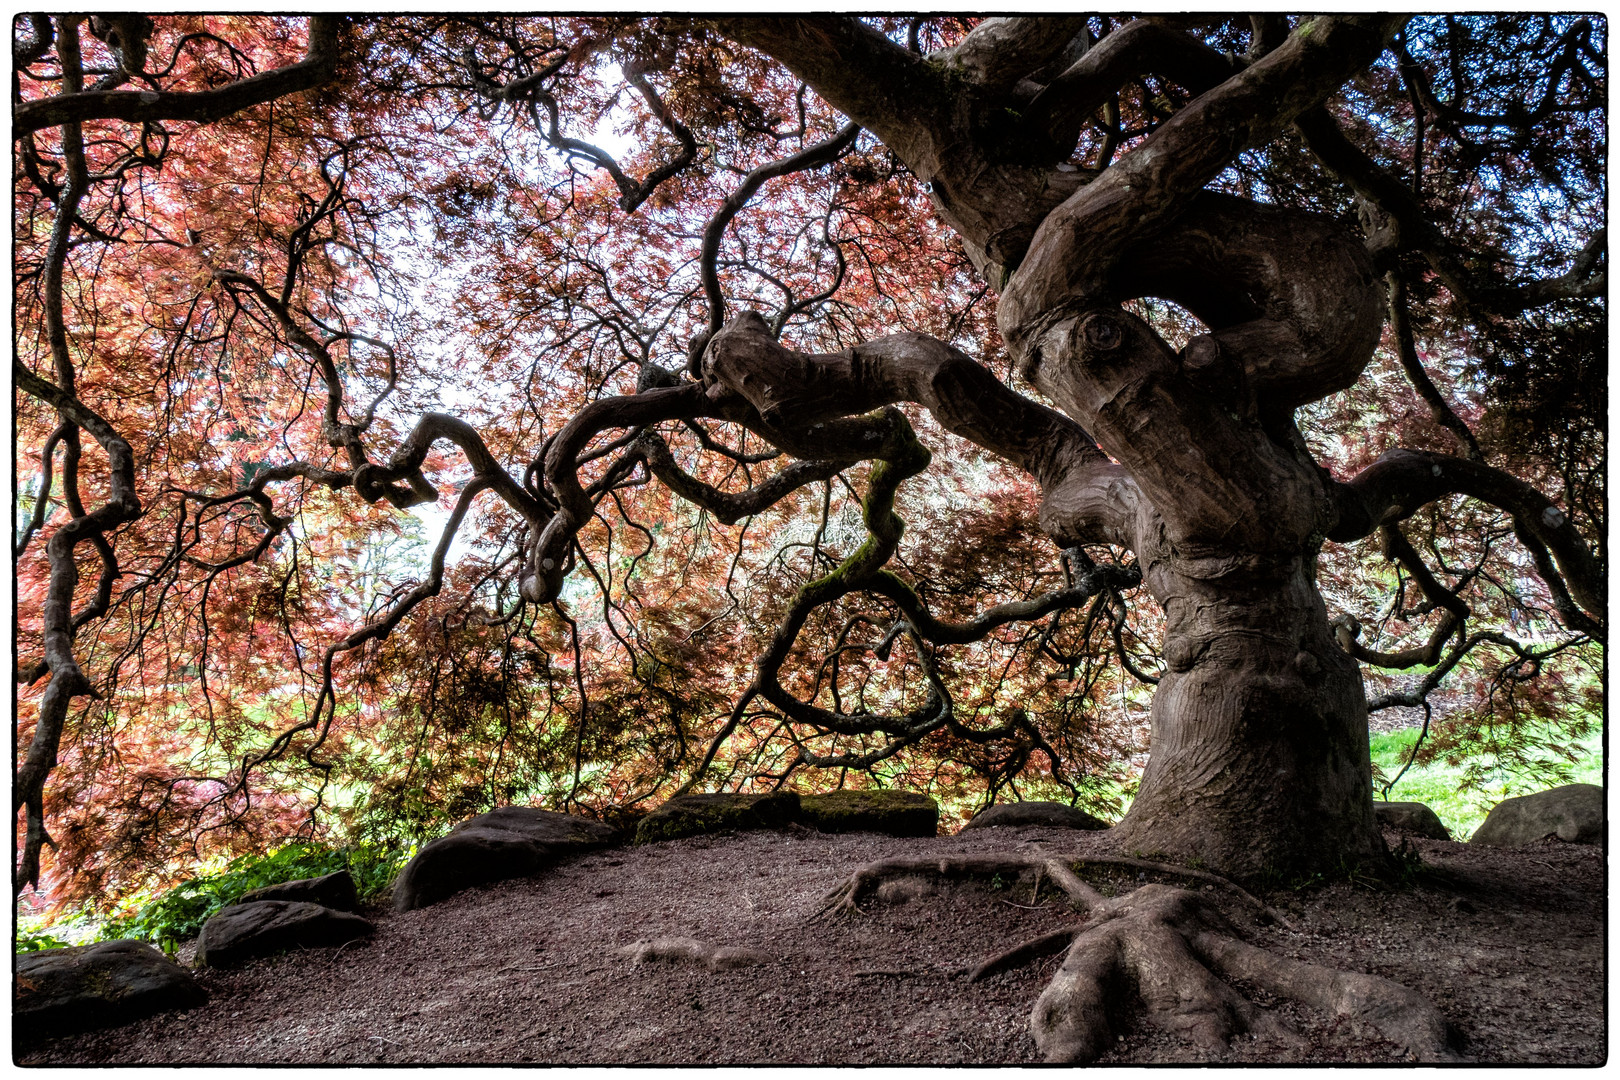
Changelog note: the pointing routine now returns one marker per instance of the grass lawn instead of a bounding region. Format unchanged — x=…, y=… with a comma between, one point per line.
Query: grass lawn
x=1439, y=784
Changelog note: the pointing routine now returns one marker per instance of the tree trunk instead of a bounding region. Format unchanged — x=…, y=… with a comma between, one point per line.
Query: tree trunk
x=1259, y=760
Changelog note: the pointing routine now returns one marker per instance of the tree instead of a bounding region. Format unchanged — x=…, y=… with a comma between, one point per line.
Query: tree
x=194, y=256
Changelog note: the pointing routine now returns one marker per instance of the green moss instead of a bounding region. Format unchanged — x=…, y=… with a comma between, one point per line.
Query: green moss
x=697, y=815
x=897, y=813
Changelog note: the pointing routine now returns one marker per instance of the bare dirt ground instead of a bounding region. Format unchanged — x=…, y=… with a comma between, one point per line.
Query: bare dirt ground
x=1509, y=944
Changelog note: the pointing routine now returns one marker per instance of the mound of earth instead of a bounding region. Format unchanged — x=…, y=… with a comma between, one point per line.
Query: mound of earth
x=1508, y=943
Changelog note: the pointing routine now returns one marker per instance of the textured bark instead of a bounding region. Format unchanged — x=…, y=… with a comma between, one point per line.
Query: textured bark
x=1259, y=759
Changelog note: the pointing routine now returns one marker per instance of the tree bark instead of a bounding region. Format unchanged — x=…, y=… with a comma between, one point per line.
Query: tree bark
x=1260, y=762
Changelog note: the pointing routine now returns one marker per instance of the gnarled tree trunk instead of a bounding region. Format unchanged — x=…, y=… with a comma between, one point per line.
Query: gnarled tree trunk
x=1259, y=744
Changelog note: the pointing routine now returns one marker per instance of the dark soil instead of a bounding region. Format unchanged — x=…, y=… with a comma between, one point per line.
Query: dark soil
x=1509, y=944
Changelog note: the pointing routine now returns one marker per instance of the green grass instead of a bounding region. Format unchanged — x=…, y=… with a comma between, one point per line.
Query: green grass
x=1440, y=785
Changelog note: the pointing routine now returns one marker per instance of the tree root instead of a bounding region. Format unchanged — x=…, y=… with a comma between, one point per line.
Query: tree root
x=1165, y=942
x=693, y=951
x=1170, y=948
x=846, y=896
x=1019, y=955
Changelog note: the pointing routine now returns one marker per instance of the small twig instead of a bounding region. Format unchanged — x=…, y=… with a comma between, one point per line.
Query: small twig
x=885, y=972
x=1026, y=907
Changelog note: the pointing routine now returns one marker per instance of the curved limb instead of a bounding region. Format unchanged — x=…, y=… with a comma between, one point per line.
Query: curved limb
x=199, y=107
x=67, y=678
x=1396, y=485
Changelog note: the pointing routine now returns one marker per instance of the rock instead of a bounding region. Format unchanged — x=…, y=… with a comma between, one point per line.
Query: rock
x=335, y=891
x=1034, y=813
x=244, y=931
x=63, y=991
x=897, y=813
x=693, y=815
x=513, y=841
x=691, y=950
x=1573, y=813
x=1412, y=817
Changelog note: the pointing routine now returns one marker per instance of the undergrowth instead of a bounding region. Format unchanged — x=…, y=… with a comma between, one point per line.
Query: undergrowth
x=1462, y=789
x=178, y=913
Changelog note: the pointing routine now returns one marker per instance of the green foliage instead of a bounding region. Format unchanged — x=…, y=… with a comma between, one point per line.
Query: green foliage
x=179, y=913
x=34, y=940
x=1462, y=789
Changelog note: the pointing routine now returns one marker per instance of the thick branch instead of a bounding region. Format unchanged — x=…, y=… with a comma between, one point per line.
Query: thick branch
x=878, y=84
x=316, y=69
x=1395, y=486
x=1076, y=248
x=999, y=52
x=1086, y=496
x=1137, y=48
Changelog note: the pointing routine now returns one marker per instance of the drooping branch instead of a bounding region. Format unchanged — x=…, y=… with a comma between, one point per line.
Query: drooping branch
x=67, y=678
x=1399, y=483
x=316, y=69
x=730, y=507
x=1444, y=415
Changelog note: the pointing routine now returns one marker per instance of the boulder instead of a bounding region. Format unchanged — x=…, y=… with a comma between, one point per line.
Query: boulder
x=693, y=815
x=1573, y=813
x=1034, y=813
x=897, y=813
x=335, y=891
x=64, y=991
x=1413, y=817
x=244, y=931
x=513, y=841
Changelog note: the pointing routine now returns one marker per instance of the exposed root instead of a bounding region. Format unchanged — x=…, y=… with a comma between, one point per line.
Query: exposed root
x=691, y=950
x=1163, y=942
x=1170, y=948
x=846, y=897
x=1370, y=1003
x=1034, y=949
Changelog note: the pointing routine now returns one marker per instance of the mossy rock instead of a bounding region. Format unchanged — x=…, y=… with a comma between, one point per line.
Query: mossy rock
x=1034, y=813
x=1413, y=817
x=695, y=815
x=897, y=813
